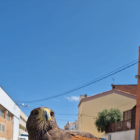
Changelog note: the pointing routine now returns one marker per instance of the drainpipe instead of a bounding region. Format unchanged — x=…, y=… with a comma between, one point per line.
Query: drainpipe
x=137, y=122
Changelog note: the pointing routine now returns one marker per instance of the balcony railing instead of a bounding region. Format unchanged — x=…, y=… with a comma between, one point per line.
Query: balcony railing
x=128, y=122
x=120, y=126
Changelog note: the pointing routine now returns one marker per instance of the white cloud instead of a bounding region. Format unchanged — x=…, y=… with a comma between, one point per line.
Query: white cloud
x=73, y=98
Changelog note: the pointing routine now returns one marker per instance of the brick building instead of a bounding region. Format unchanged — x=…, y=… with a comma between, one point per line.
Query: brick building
x=6, y=123
x=9, y=117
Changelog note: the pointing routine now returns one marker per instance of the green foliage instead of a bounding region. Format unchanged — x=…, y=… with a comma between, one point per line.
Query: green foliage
x=107, y=117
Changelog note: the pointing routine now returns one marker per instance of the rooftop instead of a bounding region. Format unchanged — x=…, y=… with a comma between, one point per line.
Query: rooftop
x=126, y=90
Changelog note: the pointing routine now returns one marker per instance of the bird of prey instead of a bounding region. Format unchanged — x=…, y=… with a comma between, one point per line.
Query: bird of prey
x=41, y=125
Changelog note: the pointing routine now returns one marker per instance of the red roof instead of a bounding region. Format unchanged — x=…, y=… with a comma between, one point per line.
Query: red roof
x=125, y=90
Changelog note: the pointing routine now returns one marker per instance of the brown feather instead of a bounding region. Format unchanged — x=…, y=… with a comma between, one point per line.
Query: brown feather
x=40, y=129
x=81, y=138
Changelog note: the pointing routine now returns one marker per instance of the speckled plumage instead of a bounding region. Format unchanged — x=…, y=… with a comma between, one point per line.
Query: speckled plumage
x=40, y=129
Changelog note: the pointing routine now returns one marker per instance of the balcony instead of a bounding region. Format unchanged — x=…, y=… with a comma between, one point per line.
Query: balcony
x=128, y=122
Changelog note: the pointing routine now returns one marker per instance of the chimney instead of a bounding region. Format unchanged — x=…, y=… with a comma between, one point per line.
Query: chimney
x=137, y=120
x=82, y=97
x=113, y=86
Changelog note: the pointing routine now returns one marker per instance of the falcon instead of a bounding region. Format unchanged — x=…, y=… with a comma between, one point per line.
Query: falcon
x=41, y=125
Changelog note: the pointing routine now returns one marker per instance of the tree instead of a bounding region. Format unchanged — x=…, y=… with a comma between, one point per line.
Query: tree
x=107, y=117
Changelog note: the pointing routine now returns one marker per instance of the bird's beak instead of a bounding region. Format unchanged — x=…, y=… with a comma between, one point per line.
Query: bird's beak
x=46, y=115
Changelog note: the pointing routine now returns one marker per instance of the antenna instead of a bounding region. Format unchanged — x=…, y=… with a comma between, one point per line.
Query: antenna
x=113, y=80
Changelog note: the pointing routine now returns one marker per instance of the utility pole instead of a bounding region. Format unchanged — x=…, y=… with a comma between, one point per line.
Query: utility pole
x=137, y=123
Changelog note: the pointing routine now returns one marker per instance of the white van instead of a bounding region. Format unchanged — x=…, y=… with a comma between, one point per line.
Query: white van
x=23, y=137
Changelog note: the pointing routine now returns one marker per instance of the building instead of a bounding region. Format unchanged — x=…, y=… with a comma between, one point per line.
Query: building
x=12, y=119
x=66, y=127
x=121, y=96
x=122, y=130
x=22, y=123
x=71, y=126
x=9, y=117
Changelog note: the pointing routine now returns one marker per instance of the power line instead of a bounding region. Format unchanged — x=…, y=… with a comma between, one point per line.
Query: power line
x=125, y=104
x=89, y=113
x=85, y=114
x=66, y=114
x=89, y=83
x=113, y=107
x=56, y=113
x=62, y=120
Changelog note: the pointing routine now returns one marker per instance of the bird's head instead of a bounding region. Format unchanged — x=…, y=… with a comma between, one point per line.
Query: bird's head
x=41, y=119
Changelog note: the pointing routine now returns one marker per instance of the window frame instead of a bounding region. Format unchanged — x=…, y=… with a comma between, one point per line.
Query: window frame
x=8, y=117
x=1, y=127
x=2, y=112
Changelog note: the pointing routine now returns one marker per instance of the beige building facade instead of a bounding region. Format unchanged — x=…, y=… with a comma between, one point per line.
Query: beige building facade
x=22, y=123
x=122, y=97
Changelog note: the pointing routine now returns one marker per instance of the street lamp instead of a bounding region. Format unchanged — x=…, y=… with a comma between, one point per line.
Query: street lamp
x=137, y=77
x=23, y=105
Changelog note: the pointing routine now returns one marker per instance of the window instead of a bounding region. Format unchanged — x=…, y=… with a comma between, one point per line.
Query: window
x=23, y=120
x=2, y=112
x=127, y=115
x=2, y=127
x=8, y=116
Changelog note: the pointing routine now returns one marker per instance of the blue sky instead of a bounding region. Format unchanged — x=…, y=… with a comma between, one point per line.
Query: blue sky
x=48, y=47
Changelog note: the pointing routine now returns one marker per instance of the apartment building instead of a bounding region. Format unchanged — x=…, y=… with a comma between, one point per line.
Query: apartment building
x=9, y=117
x=22, y=123
x=6, y=123
x=12, y=119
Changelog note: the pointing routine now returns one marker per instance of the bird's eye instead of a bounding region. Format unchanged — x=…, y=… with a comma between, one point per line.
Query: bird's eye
x=36, y=112
x=52, y=113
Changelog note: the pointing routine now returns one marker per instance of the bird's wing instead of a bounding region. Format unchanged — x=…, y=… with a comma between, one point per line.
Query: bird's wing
x=79, y=135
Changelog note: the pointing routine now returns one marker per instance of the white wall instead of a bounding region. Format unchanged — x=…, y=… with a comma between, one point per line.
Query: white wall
x=73, y=126
x=122, y=135
x=10, y=105
x=15, y=128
